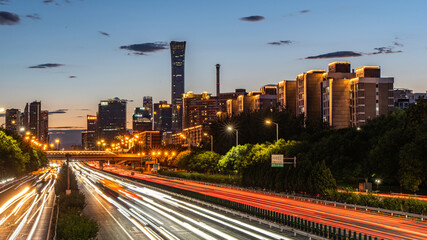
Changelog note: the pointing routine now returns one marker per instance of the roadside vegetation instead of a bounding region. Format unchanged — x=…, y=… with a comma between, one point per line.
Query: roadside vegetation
x=70, y=221
x=18, y=157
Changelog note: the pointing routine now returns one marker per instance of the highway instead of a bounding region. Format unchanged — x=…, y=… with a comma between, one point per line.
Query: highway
x=384, y=227
x=26, y=205
x=128, y=210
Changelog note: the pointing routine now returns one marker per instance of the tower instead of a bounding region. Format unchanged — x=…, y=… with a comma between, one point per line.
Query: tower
x=177, y=61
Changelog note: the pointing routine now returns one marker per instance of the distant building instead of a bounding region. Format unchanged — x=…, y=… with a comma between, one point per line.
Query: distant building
x=192, y=135
x=198, y=109
x=111, y=119
x=35, y=119
x=147, y=103
x=13, y=119
x=308, y=101
x=178, y=86
x=335, y=105
x=404, y=97
x=89, y=135
x=44, y=125
x=265, y=99
x=370, y=95
x=162, y=116
x=286, y=96
x=141, y=120
x=150, y=139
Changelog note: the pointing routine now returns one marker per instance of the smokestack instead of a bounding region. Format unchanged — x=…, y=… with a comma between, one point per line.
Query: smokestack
x=217, y=84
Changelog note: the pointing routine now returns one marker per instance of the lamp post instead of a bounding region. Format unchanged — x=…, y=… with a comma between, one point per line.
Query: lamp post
x=211, y=137
x=58, y=143
x=377, y=181
x=230, y=128
x=268, y=122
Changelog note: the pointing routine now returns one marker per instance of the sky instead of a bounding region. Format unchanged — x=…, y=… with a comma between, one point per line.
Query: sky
x=70, y=54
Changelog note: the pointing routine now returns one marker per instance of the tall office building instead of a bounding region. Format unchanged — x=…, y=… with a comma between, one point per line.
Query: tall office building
x=147, y=103
x=35, y=119
x=89, y=136
x=141, y=120
x=370, y=95
x=44, y=126
x=178, y=87
x=111, y=119
x=162, y=116
x=13, y=119
x=335, y=95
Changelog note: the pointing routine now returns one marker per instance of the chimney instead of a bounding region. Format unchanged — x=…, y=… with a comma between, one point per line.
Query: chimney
x=217, y=84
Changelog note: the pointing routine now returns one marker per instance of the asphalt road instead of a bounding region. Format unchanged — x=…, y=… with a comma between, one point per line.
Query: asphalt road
x=381, y=226
x=25, y=207
x=127, y=210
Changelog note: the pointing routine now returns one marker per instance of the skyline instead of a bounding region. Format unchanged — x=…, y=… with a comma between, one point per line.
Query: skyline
x=72, y=55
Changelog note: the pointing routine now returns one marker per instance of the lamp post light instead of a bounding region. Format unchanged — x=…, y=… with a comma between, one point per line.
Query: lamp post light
x=268, y=122
x=58, y=143
x=211, y=137
x=378, y=182
x=230, y=128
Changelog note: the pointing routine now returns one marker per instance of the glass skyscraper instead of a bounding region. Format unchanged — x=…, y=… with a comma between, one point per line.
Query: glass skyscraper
x=177, y=60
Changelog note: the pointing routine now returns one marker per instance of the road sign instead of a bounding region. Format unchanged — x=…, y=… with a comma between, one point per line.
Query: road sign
x=146, y=159
x=156, y=167
x=276, y=160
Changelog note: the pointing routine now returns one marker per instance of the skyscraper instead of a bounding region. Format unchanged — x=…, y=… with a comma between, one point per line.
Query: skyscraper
x=178, y=87
x=13, y=119
x=141, y=120
x=111, y=119
x=44, y=126
x=162, y=116
x=89, y=136
x=147, y=103
x=35, y=119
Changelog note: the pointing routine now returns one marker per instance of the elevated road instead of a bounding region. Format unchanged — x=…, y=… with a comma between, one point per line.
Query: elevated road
x=92, y=156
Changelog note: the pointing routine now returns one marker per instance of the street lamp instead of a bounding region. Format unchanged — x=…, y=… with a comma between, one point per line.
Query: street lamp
x=99, y=145
x=57, y=143
x=230, y=128
x=268, y=122
x=211, y=136
x=377, y=181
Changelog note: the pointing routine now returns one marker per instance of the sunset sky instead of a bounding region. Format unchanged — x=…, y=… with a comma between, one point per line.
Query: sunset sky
x=72, y=54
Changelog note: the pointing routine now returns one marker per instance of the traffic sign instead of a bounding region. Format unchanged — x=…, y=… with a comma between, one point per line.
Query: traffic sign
x=146, y=159
x=276, y=160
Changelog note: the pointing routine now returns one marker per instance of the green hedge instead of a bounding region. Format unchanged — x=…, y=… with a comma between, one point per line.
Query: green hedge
x=212, y=178
x=395, y=204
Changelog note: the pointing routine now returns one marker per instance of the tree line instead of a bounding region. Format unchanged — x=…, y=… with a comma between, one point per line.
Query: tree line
x=18, y=157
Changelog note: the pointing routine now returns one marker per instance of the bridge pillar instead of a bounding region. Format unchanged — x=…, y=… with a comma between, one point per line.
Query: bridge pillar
x=101, y=164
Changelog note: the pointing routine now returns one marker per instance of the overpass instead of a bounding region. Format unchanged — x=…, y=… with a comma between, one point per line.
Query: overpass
x=100, y=156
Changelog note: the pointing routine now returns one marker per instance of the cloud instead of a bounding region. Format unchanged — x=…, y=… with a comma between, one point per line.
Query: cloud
x=283, y=42
x=297, y=13
x=143, y=48
x=384, y=50
x=104, y=33
x=59, y=111
x=72, y=77
x=48, y=1
x=84, y=109
x=3, y=2
x=34, y=16
x=252, y=18
x=339, y=54
x=2, y=114
x=8, y=18
x=47, y=65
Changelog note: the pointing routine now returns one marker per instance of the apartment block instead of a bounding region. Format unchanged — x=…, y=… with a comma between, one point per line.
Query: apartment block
x=286, y=95
x=370, y=95
x=308, y=101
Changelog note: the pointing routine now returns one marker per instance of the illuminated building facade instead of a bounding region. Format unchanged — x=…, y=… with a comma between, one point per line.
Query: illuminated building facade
x=178, y=87
x=150, y=139
x=162, y=116
x=89, y=136
x=111, y=119
x=286, y=96
x=13, y=119
x=335, y=95
x=370, y=95
x=141, y=120
x=308, y=97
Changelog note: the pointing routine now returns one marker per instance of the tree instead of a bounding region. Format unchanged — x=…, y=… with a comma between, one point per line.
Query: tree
x=321, y=179
x=74, y=226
